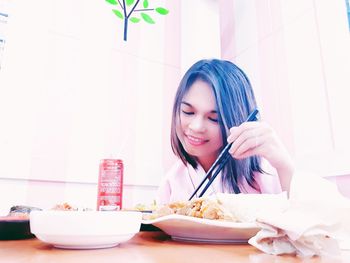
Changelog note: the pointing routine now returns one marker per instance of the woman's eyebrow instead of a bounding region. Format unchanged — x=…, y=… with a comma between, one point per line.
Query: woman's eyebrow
x=190, y=105
x=186, y=103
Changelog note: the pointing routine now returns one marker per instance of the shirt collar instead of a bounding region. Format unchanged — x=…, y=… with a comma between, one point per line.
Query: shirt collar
x=197, y=176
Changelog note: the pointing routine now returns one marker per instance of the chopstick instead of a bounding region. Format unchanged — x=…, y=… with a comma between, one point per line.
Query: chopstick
x=221, y=161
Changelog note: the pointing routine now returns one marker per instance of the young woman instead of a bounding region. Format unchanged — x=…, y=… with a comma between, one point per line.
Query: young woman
x=212, y=102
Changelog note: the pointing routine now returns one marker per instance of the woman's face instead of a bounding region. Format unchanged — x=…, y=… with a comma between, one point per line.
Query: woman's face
x=198, y=128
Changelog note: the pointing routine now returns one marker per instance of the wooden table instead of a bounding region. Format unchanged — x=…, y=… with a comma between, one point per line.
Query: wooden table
x=146, y=247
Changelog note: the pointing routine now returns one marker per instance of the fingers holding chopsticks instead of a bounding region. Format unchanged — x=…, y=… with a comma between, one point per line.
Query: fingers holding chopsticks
x=245, y=138
x=255, y=138
x=258, y=138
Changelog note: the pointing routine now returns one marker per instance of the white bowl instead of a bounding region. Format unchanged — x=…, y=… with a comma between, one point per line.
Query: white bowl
x=85, y=229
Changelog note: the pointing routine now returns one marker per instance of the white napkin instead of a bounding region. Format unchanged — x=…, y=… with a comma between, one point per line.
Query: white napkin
x=316, y=222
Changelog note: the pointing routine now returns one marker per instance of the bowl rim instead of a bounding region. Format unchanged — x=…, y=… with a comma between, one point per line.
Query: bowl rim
x=84, y=212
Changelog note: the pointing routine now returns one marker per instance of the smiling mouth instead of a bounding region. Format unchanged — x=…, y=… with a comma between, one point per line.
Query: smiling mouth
x=195, y=140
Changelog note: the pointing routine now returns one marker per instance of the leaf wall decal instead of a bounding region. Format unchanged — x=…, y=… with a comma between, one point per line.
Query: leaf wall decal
x=162, y=10
x=118, y=13
x=147, y=18
x=112, y=2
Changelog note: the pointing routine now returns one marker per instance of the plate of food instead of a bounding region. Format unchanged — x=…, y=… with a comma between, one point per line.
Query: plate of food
x=201, y=220
x=193, y=229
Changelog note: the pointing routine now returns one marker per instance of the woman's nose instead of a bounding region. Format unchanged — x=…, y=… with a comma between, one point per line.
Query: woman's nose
x=197, y=124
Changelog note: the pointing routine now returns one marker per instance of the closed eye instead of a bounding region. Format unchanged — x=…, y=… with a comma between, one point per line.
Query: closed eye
x=213, y=119
x=188, y=112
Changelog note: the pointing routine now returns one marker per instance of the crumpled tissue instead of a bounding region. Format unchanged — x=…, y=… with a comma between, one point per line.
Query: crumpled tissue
x=316, y=221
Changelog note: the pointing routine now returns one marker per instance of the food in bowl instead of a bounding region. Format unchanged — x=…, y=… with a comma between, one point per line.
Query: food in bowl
x=147, y=207
x=144, y=208
x=85, y=229
x=68, y=207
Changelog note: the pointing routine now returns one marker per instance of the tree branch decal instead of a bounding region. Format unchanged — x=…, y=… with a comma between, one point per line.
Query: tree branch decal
x=126, y=10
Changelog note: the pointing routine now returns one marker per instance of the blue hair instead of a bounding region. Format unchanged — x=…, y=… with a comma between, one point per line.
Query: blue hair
x=235, y=100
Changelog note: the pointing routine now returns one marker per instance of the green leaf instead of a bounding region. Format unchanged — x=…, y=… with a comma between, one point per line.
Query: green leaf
x=162, y=10
x=118, y=13
x=147, y=18
x=112, y=2
x=145, y=3
x=129, y=2
x=135, y=19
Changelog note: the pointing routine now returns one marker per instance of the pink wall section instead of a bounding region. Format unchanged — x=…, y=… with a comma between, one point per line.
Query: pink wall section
x=227, y=28
x=272, y=67
x=275, y=100
x=172, y=55
x=292, y=56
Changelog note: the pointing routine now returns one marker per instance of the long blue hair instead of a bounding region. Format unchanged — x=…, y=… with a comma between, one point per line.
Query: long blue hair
x=235, y=100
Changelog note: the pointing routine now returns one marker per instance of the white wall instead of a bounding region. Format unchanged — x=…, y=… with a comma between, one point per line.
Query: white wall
x=73, y=92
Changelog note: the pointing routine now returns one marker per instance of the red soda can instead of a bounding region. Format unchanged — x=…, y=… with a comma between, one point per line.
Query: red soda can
x=110, y=185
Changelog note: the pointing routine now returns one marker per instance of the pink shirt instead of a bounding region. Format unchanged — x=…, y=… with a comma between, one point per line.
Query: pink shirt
x=181, y=181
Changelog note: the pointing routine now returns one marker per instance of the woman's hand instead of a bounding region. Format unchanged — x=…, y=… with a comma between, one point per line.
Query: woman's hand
x=258, y=138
